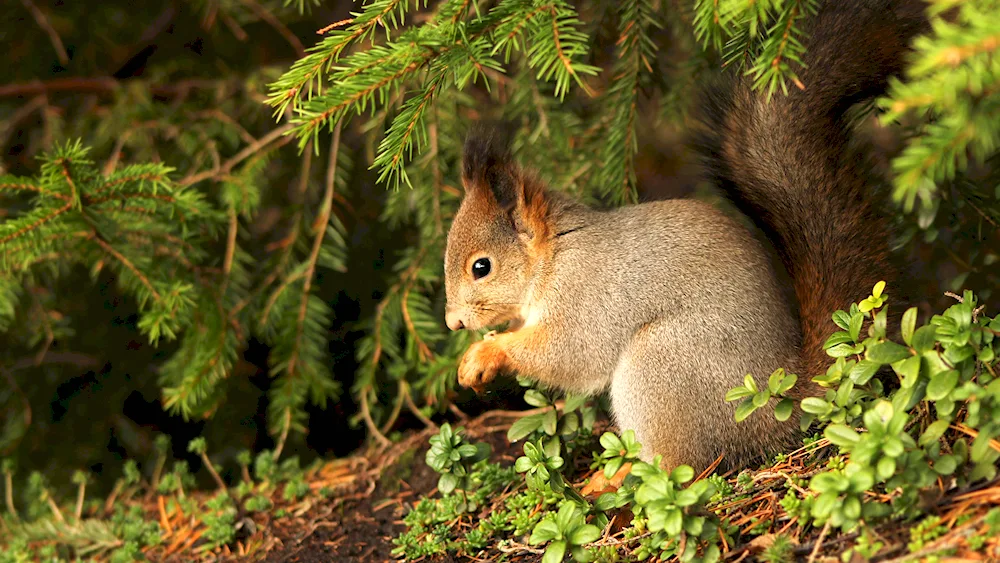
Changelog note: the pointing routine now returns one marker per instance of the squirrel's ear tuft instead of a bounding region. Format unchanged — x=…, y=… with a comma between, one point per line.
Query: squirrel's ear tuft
x=488, y=164
x=489, y=169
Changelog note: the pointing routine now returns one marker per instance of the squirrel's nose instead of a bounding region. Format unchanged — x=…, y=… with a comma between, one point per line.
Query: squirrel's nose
x=453, y=320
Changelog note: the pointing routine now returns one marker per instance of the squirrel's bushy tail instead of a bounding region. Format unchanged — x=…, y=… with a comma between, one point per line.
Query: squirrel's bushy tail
x=790, y=164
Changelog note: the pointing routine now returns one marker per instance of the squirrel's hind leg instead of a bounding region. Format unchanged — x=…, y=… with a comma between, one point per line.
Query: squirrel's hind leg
x=670, y=389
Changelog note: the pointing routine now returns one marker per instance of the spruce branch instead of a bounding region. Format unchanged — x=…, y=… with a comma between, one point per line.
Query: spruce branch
x=619, y=146
x=783, y=44
x=400, y=136
x=953, y=81
x=304, y=80
x=299, y=353
x=709, y=25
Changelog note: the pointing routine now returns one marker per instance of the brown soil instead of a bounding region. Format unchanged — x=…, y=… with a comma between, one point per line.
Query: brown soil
x=361, y=528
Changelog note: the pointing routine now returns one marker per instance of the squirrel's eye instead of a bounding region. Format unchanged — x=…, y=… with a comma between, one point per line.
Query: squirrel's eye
x=481, y=267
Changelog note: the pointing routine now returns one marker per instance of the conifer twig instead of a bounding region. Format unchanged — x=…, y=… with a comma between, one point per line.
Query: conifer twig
x=53, y=506
x=54, y=38
x=250, y=150
x=227, y=263
x=10, y=123
x=366, y=415
x=286, y=244
x=281, y=28
x=819, y=542
x=320, y=224
x=397, y=407
x=284, y=435
x=8, y=494
x=81, y=494
x=101, y=84
x=128, y=264
x=408, y=397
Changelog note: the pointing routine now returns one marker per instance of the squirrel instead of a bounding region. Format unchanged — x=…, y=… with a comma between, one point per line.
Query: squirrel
x=666, y=305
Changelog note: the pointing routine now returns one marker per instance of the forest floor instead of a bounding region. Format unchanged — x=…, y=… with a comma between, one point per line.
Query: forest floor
x=372, y=492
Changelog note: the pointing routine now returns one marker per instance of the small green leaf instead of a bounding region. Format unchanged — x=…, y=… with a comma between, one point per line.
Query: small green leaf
x=838, y=337
x=934, y=432
x=694, y=525
x=824, y=505
x=761, y=399
x=524, y=426
x=569, y=424
x=842, y=350
x=815, y=405
x=744, y=410
x=924, y=338
x=855, y=327
x=606, y=502
x=737, y=393
x=673, y=522
x=851, y=508
x=783, y=410
x=584, y=534
x=685, y=497
x=941, y=385
x=787, y=383
x=574, y=402
x=549, y=422
x=829, y=483
x=523, y=464
x=682, y=474
x=841, y=435
x=908, y=324
x=535, y=398
x=552, y=446
x=613, y=466
x=842, y=319
x=774, y=381
x=887, y=352
x=946, y=465
x=555, y=552
x=567, y=512
x=877, y=290
x=879, y=324
x=749, y=383
x=863, y=371
x=908, y=371
x=447, y=483
x=612, y=442
x=893, y=447
x=885, y=468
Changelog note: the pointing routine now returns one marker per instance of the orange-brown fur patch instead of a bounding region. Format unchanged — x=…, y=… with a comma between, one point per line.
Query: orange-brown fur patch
x=482, y=362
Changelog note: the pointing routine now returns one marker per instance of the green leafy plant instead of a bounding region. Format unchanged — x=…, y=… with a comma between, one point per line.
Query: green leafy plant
x=618, y=450
x=753, y=398
x=676, y=515
x=571, y=424
x=944, y=363
x=541, y=468
x=453, y=458
x=565, y=532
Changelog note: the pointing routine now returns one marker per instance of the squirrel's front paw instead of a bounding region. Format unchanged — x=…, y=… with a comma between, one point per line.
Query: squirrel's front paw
x=480, y=364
